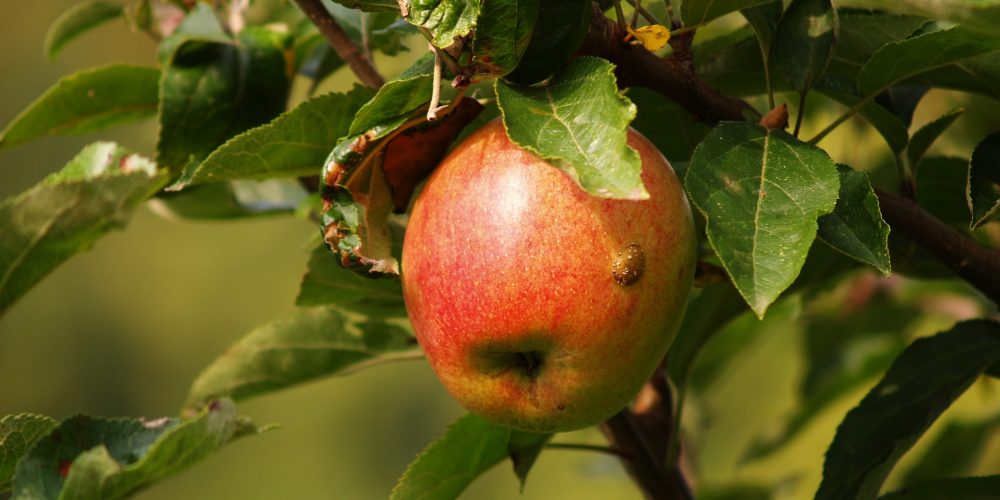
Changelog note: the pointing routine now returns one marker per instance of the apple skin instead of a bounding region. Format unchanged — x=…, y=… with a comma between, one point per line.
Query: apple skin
x=509, y=281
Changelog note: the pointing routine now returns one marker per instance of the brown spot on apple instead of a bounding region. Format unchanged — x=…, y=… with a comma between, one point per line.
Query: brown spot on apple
x=629, y=265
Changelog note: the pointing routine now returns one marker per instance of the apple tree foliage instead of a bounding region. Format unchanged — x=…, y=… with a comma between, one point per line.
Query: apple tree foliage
x=783, y=224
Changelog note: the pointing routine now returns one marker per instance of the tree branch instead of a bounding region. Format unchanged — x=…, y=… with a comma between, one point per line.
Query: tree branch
x=978, y=265
x=670, y=77
x=341, y=43
x=644, y=433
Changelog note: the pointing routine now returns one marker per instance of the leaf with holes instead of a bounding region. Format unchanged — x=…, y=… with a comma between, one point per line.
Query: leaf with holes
x=18, y=433
x=67, y=212
x=761, y=192
x=578, y=122
x=95, y=458
x=923, y=381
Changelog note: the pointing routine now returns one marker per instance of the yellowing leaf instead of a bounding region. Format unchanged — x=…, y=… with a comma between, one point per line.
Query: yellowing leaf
x=653, y=37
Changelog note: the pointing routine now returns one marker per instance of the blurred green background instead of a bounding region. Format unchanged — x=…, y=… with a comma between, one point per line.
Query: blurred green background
x=123, y=329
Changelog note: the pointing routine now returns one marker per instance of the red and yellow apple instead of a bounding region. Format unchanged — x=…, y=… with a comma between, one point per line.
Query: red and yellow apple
x=541, y=307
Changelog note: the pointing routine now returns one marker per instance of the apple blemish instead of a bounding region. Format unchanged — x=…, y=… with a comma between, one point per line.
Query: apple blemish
x=629, y=265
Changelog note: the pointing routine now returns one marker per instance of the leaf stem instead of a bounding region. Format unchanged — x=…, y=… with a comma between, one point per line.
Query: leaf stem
x=619, y=13
x=841, y=119
x=589, y=447
x=341, y=43
x=801, y=112
x=647, y=15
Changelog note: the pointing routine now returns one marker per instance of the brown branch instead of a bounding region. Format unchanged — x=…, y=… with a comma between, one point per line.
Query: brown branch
x=341, y=43
x=648, y=470
x=978, y=265
x=671, y=77
x=643, y=434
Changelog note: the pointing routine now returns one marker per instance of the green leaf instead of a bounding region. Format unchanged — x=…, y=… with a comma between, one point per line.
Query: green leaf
x=213, y=90
x=898, y=61
x=804, y=42
x=65, y=213
x=18, y=433
x=764, y=18
x=979, y=15
x=941, y=188
x=230, y=200
x=983, y=193
x=862, y=32
x=929, y=133
x=732, y=62
x=963, y=488
x=469, y=448
x=559, y=31
x=445, y=20
x=86, y=101
x=293, y=144
x=856, y=227
x=696, y=12
x=503, y=32
x=76, y=21
x=371, y=5
x=761, y=192
x=303, y=346
x=92, y=458
x=394, y=103
x=955, y=451
x=577, y=121
x=923, y=381
x=706, y=314
x=328, y=283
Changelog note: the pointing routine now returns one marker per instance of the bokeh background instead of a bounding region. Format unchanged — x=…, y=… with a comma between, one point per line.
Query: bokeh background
x=123, y=329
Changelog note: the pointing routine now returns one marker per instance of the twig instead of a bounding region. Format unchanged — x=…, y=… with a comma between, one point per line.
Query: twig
x=978, y=265
x=341, y=43
x=655, y=481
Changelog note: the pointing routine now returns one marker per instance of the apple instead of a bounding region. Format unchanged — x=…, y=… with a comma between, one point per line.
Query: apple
x=541, y=307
